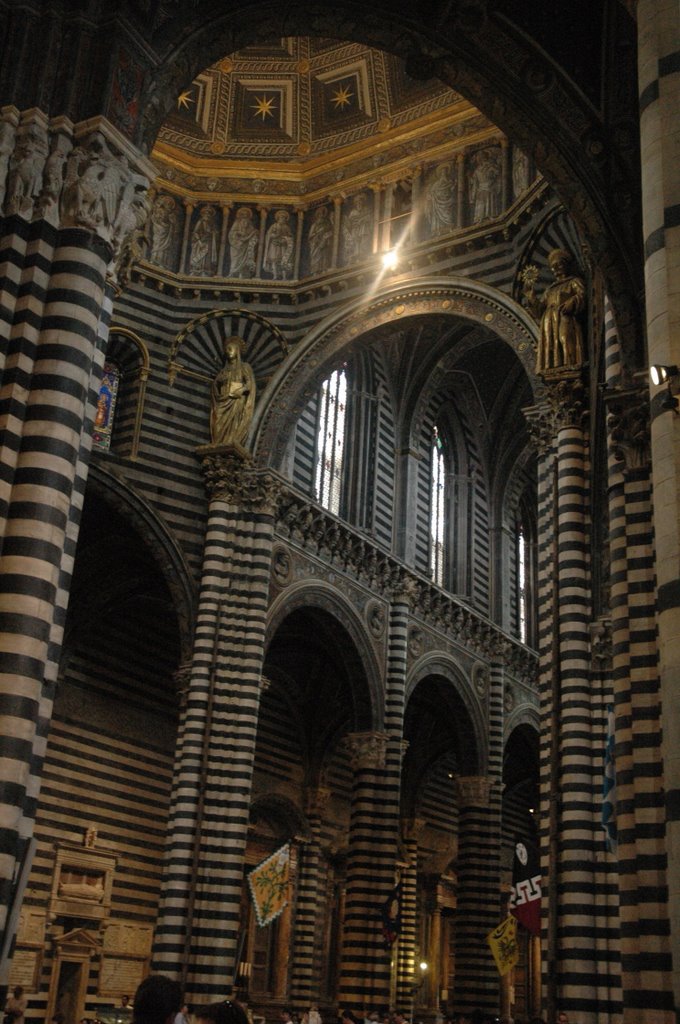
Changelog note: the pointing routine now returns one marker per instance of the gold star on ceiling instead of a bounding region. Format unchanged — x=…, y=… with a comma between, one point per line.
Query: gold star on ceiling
x=263, y=106
x=185, y=99
x=342, y=97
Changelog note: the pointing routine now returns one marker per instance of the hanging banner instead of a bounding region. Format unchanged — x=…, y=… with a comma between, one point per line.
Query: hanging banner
x=525, y=897
x=503, y=944
x=268, y=884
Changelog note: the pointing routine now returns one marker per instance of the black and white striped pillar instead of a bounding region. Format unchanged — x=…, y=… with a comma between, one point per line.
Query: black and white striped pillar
x=198, y=925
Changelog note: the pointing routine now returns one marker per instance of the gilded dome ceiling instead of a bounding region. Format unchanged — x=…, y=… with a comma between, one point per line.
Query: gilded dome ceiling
x=300, y=116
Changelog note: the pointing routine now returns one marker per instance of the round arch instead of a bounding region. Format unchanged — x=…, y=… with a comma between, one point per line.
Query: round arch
x=522, y=715
x=323, y=597
x=293, y=384
x=280, y=809
x=444, y=666
x=163, y=547
x=507, y=74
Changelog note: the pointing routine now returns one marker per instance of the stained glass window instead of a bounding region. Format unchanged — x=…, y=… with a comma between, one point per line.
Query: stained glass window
x=522, y=592
x=330, y=440
x=437, y=511
x=106, y=407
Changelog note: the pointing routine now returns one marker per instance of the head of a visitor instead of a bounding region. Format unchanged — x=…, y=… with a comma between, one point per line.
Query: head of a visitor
x=229, y=1011
x=157, y=1000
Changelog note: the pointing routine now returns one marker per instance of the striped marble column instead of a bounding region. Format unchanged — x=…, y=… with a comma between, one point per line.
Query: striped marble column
x=406, y=944
x=658, y=24
x=579, y=838
x=198, y=924
x=307, y=934
x=40, y=506
x=642, y=864
x=476, y=984
x=57, y=341
x=365, y=962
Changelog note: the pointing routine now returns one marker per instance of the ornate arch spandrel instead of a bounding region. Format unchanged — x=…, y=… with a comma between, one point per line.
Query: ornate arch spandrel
x=294, y=382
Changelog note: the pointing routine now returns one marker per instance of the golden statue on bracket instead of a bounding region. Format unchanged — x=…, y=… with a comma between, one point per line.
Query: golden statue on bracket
x=560, y=345
x=233, y=397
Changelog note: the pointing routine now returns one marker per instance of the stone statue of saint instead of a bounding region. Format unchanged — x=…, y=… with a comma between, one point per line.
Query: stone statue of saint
x=358, y=229
x=440, y=200
x=320, y=241
x=203, y=255
x=278, y=247
x=485, y=186
x=520, y=172
x=164, y=222
x=243, y=239
x=233, y=397
x=561, y=342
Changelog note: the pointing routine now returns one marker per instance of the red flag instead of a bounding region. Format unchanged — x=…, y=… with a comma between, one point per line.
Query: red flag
x=525, y=898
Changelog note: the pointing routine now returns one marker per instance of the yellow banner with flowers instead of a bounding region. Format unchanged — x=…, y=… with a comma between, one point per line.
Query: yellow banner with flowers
x=503, y=943
x=269, y=883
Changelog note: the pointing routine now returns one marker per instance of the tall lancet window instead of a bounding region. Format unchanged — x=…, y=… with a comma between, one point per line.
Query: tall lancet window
x=437, y=511
x=330, y=440
x=522, y=584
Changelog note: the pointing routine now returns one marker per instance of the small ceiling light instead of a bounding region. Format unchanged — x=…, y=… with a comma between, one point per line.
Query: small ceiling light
x=660, y=374
x=390, y=259
x=423, y=965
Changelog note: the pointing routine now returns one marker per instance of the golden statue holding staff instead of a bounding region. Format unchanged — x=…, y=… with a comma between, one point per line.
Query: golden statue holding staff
x=233, y=397
x=560, y=344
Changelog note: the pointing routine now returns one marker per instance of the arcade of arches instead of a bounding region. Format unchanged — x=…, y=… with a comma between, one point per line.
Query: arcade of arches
x=339, y=515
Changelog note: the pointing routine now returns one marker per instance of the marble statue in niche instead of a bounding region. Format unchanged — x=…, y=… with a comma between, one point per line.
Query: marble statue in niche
x=203, y=254
x=485, y=186
x=320, y=241
x=232, y=397
x=163, y=229
x=440, y=199
x=520, y=172
x=243, y=244
x=358, y=229
x=278, y=247
x=560, y=345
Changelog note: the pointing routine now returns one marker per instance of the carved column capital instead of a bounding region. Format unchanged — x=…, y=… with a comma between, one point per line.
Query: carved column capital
x=413, y=828
x=366, y=749
x=564, y=405
x=318, y=800
x=472, y=790
x=229, y=476
x=601, y=649
x=628, y=423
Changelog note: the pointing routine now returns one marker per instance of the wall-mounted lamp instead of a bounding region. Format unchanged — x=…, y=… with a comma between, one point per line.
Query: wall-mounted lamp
x=662, y=374
x=665, y=375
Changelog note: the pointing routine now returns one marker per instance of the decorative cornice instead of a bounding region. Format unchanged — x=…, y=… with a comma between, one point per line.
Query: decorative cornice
x=307, y=526
x=230, y=477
